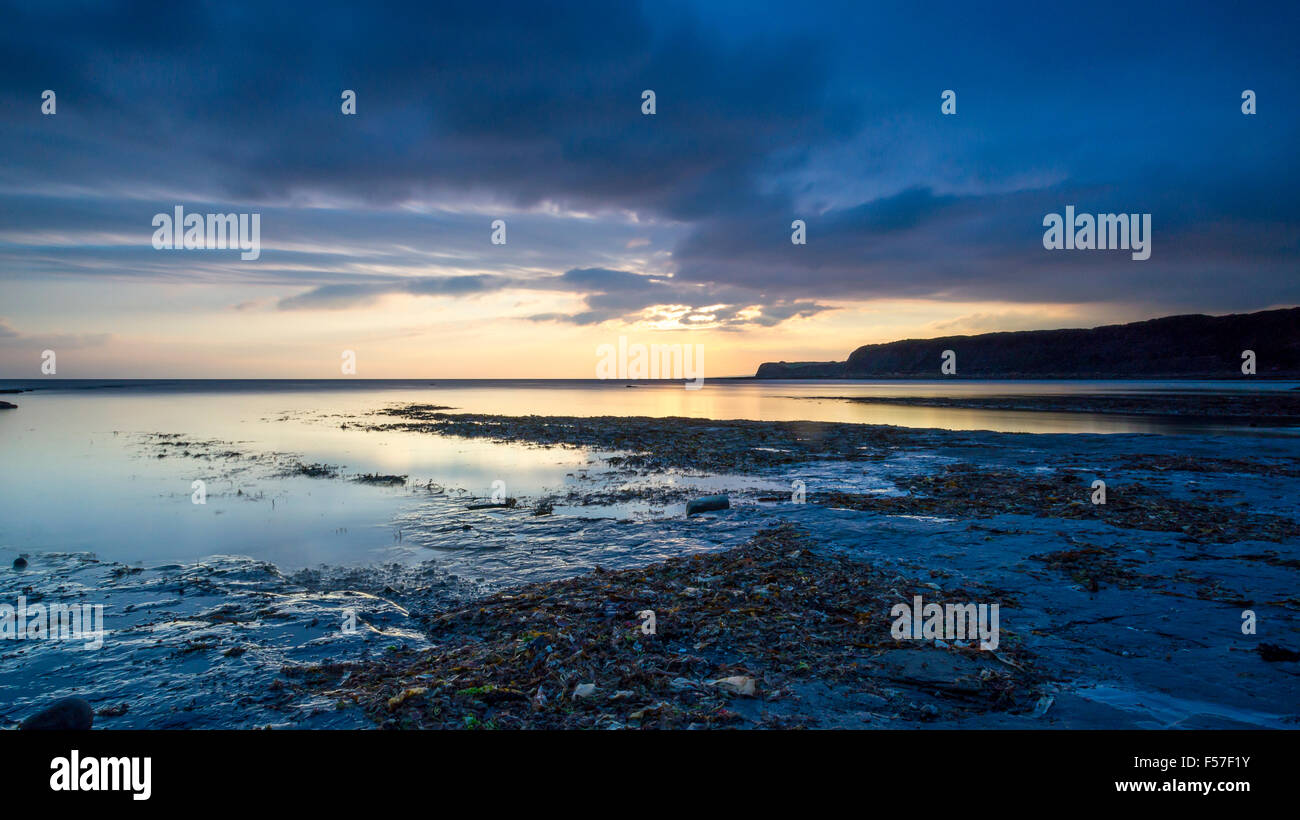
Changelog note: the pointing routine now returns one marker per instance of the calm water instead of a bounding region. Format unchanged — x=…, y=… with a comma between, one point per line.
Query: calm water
x=774, y=400
x=83, y=472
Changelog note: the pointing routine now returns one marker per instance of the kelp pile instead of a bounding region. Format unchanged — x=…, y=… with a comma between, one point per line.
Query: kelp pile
x=649, y=443
x=1273, y=407
x=967, y=491
x=1094, y=566
x=736, y=639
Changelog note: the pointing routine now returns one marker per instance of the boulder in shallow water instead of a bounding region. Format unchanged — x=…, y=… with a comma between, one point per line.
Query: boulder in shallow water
x=707, y=503
x=69, y=714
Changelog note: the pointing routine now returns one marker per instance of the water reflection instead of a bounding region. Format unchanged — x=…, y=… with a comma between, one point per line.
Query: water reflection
x=80, y=474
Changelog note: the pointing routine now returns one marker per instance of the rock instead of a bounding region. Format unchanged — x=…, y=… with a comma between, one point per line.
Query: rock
x=72, y=714
x=1273, y=653
x=20, y=563
x=114, y=711
x=932, y=668
x=4, y=405
x=737, y=685
x=584, y=690
x=412, y=692
x=707, y=503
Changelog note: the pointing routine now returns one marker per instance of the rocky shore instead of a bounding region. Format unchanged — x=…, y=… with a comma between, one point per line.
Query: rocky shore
x=775, y=609
x=1278, y=408
x=768, y=635
x=1107, y=606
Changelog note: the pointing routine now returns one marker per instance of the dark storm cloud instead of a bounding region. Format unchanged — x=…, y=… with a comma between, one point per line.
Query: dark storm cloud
x=524, y=101
x=766, y=113
x=921, y=244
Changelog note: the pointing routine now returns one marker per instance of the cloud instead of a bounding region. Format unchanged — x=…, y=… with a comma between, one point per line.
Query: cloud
x=529, y=104
x=13, y=339
x=919, y=243
x=606, y=294
x=533, y=113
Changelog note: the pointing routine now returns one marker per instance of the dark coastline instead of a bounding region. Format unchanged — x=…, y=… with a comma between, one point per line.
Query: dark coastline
x=1173, y=347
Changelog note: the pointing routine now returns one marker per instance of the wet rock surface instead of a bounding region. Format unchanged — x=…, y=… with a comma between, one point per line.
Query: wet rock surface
x=204, y=645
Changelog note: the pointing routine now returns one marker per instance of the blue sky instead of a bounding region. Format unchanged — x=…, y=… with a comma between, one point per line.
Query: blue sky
x=375, y=227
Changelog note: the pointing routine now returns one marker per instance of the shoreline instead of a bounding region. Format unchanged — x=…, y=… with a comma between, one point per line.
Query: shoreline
x=1277, y=408
x=1074, y=601
x=1123, y=614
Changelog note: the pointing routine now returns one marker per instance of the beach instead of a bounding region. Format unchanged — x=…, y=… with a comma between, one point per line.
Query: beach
x=418, y=592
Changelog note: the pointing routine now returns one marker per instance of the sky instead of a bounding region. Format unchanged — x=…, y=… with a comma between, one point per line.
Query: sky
x=674, y=227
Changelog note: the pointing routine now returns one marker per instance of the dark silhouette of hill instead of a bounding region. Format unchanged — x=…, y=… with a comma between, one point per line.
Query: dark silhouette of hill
x=1192, y=346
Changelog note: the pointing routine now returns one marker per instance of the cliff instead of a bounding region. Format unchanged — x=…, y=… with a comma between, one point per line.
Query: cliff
x=1192, y=346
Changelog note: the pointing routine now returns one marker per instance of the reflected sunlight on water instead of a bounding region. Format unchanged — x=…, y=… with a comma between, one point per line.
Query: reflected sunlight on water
x=85, y=470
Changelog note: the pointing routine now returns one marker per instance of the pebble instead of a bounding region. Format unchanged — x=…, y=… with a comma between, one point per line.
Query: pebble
x=737, y=685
